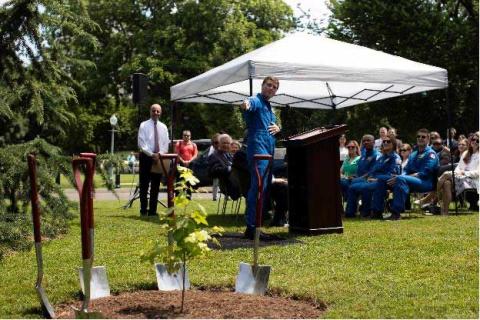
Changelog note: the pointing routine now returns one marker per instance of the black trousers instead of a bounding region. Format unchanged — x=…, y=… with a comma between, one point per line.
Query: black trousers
x=148, y=180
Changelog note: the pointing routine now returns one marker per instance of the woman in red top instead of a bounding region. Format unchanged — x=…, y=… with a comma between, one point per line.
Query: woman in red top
x=186, y=149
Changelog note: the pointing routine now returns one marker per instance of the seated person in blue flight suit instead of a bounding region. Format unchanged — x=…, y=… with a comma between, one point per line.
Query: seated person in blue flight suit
x=365, y=164
x=419, y=175
x=386, y=164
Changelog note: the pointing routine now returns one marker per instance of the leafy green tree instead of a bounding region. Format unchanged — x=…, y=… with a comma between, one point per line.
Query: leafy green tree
x=443, y=33
x=170, y=41
x=36, y=84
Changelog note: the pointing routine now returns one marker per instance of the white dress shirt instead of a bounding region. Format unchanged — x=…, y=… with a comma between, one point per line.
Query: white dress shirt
x=146, y=136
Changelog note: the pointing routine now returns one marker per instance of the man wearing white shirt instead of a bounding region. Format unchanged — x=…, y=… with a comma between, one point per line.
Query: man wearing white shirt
x=152, y=141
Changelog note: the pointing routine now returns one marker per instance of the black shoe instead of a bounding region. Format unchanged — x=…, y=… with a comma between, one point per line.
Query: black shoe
x=143, y=214
x=394, y=217
x=151, y=214
x=249, y=233
x=376, y=216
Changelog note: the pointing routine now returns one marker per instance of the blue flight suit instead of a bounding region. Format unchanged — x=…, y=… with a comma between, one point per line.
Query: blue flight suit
x=258, y=118
x=425, y=164
x=365, y=164
x=382, y=170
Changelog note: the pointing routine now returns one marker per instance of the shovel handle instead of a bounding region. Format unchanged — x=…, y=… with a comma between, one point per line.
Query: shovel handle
x=260, y=179
x=92, y=156
x=170, y=175
x=32, y=171
x=84, y=192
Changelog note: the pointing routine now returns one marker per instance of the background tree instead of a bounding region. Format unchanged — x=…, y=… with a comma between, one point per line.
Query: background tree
x=170, y=41
x=443, y=33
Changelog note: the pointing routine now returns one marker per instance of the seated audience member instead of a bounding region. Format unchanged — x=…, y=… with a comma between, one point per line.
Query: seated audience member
x=466, y=177
x=443, y=153
x=393, y=131
x=378, y=142
x=348, y=170
x=419, y=176
x=343, y=151
x=446, y=142
x=405, y=152
x=462, y=146
x=433, y=136
x=235, y=146
x=385, y=166
x=211, y=150
x=365, y=163
x=220, y=166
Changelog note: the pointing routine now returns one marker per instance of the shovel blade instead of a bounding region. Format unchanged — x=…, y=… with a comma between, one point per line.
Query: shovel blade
x=47, y=308
x=170, y=281
x=99, y=287
x=84, y=314
x=250, y=281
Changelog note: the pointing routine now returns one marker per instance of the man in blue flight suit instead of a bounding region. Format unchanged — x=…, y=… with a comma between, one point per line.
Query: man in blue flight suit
x=419, y=176
x=261, y=126
x=365, y=164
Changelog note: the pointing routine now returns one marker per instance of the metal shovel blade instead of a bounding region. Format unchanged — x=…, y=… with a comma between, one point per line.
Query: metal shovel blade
x=99, y=287
x=170, y=281
x=85, y=314
x=47, y=308
x=252, y=280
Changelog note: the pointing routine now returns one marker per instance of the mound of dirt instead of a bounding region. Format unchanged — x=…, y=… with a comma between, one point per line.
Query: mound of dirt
x=206, y=304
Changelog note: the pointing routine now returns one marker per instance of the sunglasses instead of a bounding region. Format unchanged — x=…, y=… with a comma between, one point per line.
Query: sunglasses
x=437, y=144
x=351, y=147
x=387, y=141
x=421, y=137
x=186, y=135
x=403, y=150
x=475, y=140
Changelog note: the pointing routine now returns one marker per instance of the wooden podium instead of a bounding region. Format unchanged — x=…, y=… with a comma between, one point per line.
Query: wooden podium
x=315, y=201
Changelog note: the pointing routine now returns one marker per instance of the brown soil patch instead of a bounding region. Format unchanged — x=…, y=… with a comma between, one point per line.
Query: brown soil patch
x=206, y=304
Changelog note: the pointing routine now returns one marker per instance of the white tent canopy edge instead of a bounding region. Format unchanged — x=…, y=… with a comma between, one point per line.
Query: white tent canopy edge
x=314, y=72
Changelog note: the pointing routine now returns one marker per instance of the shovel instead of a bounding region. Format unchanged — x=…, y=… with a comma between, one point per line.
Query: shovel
x=253, y=279
x=99, y=286
x=170, y=281
x=85, y=192
x=47, y=308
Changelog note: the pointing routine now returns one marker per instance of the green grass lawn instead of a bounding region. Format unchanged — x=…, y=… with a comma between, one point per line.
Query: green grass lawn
x=419, y=267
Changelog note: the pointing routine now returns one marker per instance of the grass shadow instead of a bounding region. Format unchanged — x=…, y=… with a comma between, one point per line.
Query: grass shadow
x=235, y=240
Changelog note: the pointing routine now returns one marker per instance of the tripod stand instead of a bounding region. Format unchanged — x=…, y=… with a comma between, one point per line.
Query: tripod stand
x=136, y=194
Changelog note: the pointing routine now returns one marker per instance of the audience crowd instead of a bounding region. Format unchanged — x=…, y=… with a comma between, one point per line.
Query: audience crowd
x=377, y=176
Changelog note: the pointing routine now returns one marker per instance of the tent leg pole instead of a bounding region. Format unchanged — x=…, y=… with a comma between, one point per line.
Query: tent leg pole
x=172, y=125
x=449, y=125
x=250, y=82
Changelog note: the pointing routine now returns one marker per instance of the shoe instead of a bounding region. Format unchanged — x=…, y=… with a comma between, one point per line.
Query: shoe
x=394, y=217
x=250, y=234
x=151, y=214
x=417, y=202
x=376, y=216
x=425, y=206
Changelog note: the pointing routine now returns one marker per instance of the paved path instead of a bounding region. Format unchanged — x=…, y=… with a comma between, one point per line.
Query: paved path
x=124, y=194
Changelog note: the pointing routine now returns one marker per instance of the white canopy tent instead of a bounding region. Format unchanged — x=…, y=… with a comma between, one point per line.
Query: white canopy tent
x=314, y=72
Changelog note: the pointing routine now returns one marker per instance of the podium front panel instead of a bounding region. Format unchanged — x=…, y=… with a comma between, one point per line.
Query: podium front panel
x=315, y=204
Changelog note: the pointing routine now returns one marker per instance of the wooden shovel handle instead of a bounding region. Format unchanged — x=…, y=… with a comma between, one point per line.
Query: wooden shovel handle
x=32, y=171
x=84, y=192
x=92, y=156
x=170, y=176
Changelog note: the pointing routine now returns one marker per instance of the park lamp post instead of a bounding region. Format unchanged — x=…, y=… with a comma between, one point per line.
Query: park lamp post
x=113, y=122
